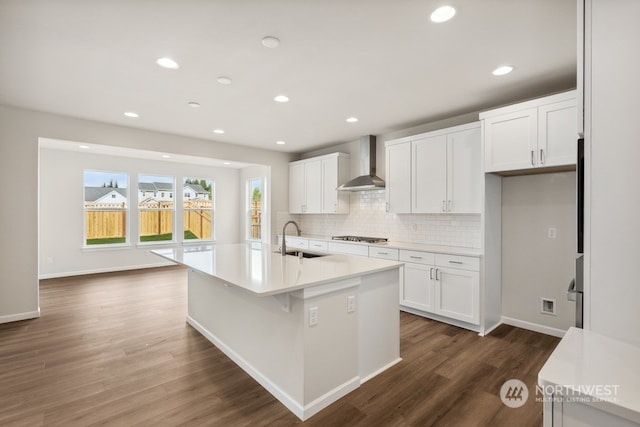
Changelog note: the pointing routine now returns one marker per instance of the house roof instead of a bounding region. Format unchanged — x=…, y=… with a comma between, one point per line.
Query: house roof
x=196, y=188
x=155, y=186
x=146, y=186
x=91, y=194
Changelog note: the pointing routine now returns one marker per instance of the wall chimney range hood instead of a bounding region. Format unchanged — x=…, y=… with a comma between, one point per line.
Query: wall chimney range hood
x=367, y=179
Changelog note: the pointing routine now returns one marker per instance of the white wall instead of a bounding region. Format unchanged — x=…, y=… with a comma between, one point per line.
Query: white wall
x=19, y=133
x=534, y=266
x=612, y=150
x=61, y=236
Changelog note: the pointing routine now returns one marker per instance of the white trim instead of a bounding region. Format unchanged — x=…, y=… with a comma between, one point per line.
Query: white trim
x=443, y=319
x=298, y=410
x=380, y=370
x=487, y=331
x=533, y=327
x=103, y=270
x=20, y=316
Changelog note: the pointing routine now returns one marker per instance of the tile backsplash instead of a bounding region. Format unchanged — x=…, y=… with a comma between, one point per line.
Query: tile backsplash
x=368, y=217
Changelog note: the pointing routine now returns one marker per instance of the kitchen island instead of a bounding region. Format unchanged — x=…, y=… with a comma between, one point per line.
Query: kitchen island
x=308, y=330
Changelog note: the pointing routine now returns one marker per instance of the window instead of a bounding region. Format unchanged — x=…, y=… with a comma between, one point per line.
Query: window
x=156, y=216
x=255, y=209
x=105, y=207
x=198, y=209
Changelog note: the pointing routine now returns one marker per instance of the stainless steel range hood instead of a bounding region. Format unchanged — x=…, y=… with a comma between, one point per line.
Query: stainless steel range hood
x=367, y=179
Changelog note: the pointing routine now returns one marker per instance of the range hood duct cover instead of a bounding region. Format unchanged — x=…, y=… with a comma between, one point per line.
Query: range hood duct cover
x=367, y=179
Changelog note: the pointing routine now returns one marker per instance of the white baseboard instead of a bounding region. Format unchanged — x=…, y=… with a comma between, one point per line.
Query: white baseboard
x=491, y=328
x=533, y=327
x=103, y=270
x=381, y=370
x=20, y=316
x=300, y=411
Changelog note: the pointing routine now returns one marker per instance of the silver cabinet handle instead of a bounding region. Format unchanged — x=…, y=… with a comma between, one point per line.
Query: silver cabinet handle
x=444, y=204
x=437, y=278
x=456, y=262
x=541, y=156
x=415, y=257
x=448, y=205
x=383, y=253
x=387, y=206
x=431, y=273
x=532, y=159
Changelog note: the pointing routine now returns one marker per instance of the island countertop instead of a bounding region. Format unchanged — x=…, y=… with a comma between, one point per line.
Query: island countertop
x=259, y=268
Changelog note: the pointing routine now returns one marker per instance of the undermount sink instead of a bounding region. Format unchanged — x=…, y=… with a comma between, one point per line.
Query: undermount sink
x=304, y=254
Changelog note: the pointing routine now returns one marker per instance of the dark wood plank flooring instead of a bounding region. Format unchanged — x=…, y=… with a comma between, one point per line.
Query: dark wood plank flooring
x=114, y=349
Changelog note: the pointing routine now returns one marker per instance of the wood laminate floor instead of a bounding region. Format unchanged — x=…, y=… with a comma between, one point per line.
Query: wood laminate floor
x=114, y=349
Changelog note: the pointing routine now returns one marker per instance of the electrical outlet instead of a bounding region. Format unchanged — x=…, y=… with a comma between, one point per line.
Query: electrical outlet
x=351, y=304
x=313, y=316
x=552, y=233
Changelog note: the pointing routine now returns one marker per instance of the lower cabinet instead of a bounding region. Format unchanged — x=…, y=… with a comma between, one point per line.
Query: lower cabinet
x=430, y=284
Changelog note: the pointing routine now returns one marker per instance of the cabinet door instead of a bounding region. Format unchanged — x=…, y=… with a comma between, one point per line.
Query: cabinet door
x=511, y=141
x=313, y=186
x=457, y=294
x=398, y=186
x=464, y=172
x=416, y=288
x=557, y=133
x=329, y=185
x=429, y=175
x=296, y=188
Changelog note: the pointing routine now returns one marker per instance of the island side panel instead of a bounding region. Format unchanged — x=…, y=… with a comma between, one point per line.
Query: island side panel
x=267, y=340
x=379, y=323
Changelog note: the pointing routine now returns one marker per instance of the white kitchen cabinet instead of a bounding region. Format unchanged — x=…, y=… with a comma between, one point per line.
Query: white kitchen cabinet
x=534, y=134
x=441, y=284
x=398, y=177
x=446, y=173
x=313, y=183
x=436, y=172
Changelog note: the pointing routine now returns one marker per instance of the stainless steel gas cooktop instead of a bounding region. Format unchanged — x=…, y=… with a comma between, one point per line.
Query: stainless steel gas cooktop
x=361, y=239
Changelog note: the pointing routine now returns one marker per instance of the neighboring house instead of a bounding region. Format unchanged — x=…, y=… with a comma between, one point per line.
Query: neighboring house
x=157, y=191
x=105, y=195
x=195, y=191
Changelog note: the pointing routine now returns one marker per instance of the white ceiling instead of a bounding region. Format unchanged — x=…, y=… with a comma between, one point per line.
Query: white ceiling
x=382, y=61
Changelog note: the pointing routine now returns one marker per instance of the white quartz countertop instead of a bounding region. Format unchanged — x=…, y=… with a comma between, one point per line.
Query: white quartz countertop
x=260, y=269
x=450, y=250
x=599, y=367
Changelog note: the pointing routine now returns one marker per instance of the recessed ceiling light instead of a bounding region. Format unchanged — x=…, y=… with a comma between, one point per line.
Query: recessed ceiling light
x=501, y=71
x=281, y=98
x=223, y=80
x=166, y=156
x=220, y=131
x=352, y=119
x=280, y=142
x=193, y=104
x=167, y=63
x=132, y=114
x=85, y=147
x=270, y=42
x=226, y=163
x=443, y=14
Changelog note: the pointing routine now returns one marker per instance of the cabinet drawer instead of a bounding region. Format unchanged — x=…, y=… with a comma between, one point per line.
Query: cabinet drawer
x=458, y=261
x=386, y=253
x=417, y=257
x=296, y=242
x=318, y=245
x=348, y=248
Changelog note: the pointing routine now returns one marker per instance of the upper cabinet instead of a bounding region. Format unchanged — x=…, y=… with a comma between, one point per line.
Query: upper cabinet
x=435, y=172
x=540, y=133
x=313, y=183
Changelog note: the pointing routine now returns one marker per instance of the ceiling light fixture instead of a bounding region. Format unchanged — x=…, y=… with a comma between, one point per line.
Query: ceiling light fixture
x=223, y=80
x=501, y=71
x=281, y=98
x=443, y=14
x=167, y=63
x=270, y=42
x=166, y=156
x=280, y=142
x=193, y=104
x=84, y=147
x=226, y=163
x=352, y=119
x=132, y=114
x=218, y=131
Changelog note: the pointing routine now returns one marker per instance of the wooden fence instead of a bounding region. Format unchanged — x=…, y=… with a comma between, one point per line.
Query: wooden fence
x=256, y=220
x=109, y=220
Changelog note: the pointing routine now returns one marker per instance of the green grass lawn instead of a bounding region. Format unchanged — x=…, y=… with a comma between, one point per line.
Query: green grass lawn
x=156, y=237
x=188, y=235
x=106, y=241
